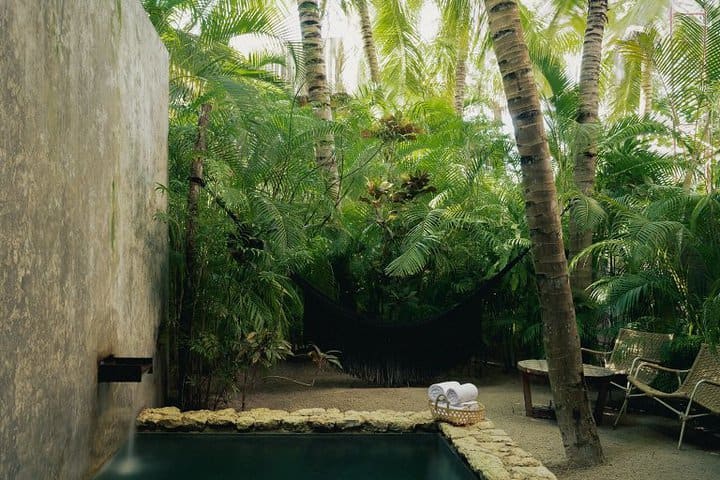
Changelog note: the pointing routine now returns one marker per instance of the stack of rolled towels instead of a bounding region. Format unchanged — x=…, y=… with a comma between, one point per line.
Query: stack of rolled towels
x=459, y=397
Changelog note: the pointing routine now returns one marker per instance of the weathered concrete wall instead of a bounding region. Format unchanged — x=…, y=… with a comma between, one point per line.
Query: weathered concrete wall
x=83, y=140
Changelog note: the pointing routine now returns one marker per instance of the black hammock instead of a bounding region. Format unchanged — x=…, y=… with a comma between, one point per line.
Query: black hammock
x=390, y=355
x=397, y=355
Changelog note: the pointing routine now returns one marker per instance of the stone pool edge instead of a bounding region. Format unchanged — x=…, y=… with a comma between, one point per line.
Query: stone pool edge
x=489, y=451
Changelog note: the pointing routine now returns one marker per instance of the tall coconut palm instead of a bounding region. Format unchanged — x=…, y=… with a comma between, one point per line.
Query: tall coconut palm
x=366, y=31
x=586, y=141
x=460, y=37
x=562, y=344
x=461, y=71
x=458, y=14
x=368, y=40
x=456, y=31
x=318, y=91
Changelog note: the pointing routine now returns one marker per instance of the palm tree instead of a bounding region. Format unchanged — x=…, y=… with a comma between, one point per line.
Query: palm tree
x=632, y=32
x=318, y=92
x=191, y=279
x=562, y=344
x=660, y=252
x=586, y=143
x=366, y=29
x=457, y=39
x=339, y=60
x=203, y=68
x=687, y=63
x=457, y=31
x=368, y=40
x=400, y=47
x=461, y=71
x=638, y=65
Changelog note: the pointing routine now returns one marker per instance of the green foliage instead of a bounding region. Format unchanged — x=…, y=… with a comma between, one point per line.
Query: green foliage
x=442, y=193
x=323, y=360
x=258, y=170
x=398, y=41
x=659, y=261
x=261, y=190
x=431, y=204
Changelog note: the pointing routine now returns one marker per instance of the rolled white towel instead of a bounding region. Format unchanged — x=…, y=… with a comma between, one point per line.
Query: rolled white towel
x=438, y=389
x=467, y=392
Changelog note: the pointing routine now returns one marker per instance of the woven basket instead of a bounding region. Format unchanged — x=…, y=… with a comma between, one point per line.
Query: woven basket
x=456, y=417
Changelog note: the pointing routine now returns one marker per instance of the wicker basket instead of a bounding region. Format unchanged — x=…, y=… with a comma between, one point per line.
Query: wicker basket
x=456, y=417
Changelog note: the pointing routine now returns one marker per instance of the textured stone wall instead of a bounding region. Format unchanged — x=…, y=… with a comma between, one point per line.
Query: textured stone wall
x=83, y=141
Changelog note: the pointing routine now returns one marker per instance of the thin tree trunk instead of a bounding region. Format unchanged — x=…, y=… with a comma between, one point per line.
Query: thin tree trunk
x=646, y=90
x=319, y=96
x=562, y=344
x=497, y=112
x=586, y=138
x=190, y=281
x=461, y=70
x=339, y=67
x=368, y=41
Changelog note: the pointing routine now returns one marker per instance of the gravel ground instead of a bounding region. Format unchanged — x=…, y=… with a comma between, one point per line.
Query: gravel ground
x=642, y=447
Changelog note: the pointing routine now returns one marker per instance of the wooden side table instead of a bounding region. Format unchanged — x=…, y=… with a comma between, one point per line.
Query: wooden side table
x=598, y=376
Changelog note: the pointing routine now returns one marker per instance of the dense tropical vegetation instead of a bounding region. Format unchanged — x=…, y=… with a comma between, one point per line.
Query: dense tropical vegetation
x=402, y=198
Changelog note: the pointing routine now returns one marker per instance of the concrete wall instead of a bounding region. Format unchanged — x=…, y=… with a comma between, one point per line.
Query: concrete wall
x=83, y=141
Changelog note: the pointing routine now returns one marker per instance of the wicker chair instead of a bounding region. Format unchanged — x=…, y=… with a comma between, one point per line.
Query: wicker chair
x=701, y=387
x=631, y=347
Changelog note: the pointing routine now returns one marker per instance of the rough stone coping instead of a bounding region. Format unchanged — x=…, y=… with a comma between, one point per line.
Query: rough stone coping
x=489, y=451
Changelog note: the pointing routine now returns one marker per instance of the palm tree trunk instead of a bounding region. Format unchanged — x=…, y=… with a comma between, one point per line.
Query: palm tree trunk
x=339, y=67
x=586, y=138
x=646, y=90
x=562, y=344
x=318, y=93
x=368, y=41
x=190, y=281
x=461, y=70
x=497, y=112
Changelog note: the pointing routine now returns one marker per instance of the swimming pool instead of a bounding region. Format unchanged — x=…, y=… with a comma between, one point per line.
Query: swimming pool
x=279, y=456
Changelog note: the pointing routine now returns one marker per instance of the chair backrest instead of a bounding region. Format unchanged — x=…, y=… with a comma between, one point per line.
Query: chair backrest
x=634, y=343
x=706, y=366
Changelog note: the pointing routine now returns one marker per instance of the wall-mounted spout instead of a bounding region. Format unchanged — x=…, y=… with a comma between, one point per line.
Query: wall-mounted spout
x=123, y=369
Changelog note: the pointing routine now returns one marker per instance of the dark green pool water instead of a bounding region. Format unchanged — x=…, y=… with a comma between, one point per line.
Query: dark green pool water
x=288, y=457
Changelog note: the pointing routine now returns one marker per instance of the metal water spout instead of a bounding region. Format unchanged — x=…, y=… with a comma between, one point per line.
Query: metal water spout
x=123, y=369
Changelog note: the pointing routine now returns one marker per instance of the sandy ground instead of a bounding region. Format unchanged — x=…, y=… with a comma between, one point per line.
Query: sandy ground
x=642, y=447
